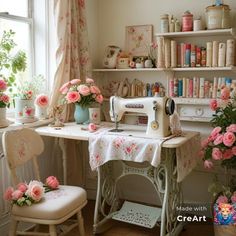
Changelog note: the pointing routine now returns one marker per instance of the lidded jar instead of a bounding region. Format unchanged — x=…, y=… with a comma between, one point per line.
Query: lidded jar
x=187, y=21
x=164, y=23
x=218, y=17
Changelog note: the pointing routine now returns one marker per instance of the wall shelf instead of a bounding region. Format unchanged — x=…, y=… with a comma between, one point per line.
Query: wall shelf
x=192, y=101
x=229, y=68
x=201, y=33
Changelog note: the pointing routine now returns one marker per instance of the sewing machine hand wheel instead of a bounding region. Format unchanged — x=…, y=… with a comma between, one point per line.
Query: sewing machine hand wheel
x=170, y=106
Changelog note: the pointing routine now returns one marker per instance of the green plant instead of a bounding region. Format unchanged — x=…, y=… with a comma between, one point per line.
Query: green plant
x=10, y=62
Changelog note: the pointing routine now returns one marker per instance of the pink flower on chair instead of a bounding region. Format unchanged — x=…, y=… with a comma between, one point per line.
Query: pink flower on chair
x=52, y=182
x=17, y=194
x=8, y=194
x=22, y=187
x=35, y=190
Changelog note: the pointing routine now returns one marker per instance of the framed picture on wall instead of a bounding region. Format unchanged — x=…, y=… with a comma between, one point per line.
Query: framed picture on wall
x=138, y=39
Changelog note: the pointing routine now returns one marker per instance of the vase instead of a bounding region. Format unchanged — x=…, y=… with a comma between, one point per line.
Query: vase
x=95, y=115
x=24, y=110
x=41, y=112
x=3, y=121
x=81, y=114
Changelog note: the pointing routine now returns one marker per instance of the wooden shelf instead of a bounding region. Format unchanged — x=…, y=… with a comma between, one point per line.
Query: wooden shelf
x=192, y=101
x=229, y=68
x=201, y=33
x=129, y=70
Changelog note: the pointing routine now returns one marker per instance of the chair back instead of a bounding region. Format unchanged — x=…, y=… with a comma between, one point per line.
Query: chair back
x=21, y=146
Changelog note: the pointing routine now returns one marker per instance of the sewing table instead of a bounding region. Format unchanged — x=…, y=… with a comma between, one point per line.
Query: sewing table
x=164, y=178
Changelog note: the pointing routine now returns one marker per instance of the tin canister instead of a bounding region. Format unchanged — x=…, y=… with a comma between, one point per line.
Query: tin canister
x=218, y=17
x=164, y=23
x=187, y=21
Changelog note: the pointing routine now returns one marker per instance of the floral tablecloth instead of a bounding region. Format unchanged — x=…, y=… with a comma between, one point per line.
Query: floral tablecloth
x=105, y=146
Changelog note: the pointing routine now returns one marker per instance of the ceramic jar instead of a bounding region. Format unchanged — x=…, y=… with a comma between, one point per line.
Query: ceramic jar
x=218, y=17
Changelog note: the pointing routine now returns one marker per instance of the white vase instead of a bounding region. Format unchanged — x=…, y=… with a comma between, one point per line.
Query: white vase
x=3, y=121
x=95, y=115
x=24, y=110
x=41, y=112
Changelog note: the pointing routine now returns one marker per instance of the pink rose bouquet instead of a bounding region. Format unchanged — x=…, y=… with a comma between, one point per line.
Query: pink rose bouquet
x=4, y=98
x=221, y=143
x=82, y=93
x=27, y=194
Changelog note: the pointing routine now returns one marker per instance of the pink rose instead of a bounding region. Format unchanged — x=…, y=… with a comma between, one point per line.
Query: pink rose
x=231, y=128
x=83, y=90
x=92, y=127
x=35, y=190
x=234, y=150
x=8, y=194
x=52, y=182
x=225, y=93
x=213, y=105
x=3, y=85
x=95, y=89
x=233, y=198
x=210, y=139
x=17, y=194
x=64, y=88
x=89, y=81
x=227, y=154
x=99, y=98
x=208, y=164
x=215, y=132
x=42, y=100
x=229, y=139
x=219, y=139
x=222, y=199
x=22, y=187
x=5, y=98
x=73, y=97
x=216, y=154
x=204, y=143
x=75, y=81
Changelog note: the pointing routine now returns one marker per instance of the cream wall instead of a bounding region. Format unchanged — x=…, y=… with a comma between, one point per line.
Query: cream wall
x=107, y=20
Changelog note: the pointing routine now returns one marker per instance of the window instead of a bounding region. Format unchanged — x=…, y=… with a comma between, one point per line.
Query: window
x=30, y=20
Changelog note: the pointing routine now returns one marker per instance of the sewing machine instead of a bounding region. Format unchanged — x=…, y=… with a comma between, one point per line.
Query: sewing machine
x=157, y=109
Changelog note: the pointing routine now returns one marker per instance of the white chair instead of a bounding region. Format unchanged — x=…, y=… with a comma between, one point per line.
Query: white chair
x=24, y=145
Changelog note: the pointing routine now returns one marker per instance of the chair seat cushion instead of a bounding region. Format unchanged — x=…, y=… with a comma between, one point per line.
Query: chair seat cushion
x=55, y=204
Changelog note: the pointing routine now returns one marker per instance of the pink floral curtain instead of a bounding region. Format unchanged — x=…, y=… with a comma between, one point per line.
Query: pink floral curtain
x=72, y=55
x=73, y=62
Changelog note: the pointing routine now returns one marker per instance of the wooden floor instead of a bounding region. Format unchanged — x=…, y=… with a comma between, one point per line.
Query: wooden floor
x=120, y=229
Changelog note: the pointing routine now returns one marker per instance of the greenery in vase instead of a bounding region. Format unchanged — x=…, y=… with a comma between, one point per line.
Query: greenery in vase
x=11, y=63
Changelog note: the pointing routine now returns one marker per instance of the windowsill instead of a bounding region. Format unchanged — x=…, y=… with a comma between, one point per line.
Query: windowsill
x=15, y=125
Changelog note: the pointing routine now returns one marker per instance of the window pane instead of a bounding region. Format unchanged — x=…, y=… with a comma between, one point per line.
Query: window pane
x=21, y=38
x=14, y=7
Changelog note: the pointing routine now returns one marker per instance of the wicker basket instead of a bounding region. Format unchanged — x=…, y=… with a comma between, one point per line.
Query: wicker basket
x=225, y=230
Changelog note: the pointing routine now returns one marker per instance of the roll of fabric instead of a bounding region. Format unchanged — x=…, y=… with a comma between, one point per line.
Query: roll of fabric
x=230, y=52
x=160, y=53
x=173, y=54
x=222, y=54
x=215, y=50
x=167, y=53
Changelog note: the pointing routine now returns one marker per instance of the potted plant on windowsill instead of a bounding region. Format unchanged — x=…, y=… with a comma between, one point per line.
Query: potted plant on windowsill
x=24, y=98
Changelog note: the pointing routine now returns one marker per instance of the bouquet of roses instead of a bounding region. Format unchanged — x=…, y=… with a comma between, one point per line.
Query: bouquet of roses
x=27, y=194
x=83, y=94
x=221, y=144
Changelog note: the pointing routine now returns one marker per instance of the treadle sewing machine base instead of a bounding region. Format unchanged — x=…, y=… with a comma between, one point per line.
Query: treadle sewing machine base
x=164, y=181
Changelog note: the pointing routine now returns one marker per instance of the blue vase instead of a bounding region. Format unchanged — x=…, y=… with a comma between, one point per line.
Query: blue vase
x=81, y=114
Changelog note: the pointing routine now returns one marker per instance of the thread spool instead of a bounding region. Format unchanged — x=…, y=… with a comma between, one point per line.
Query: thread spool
x=215, y=51
x=221, y=54
x=167, y=53
x=230, y=52
x=209, y=54
x=173, y=53
x=160, y=53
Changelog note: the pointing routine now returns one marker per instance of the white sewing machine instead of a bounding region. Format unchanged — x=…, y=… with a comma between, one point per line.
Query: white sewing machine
x=157, y=109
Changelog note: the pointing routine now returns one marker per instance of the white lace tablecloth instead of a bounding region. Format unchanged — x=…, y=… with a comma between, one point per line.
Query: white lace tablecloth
x=105, y=146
